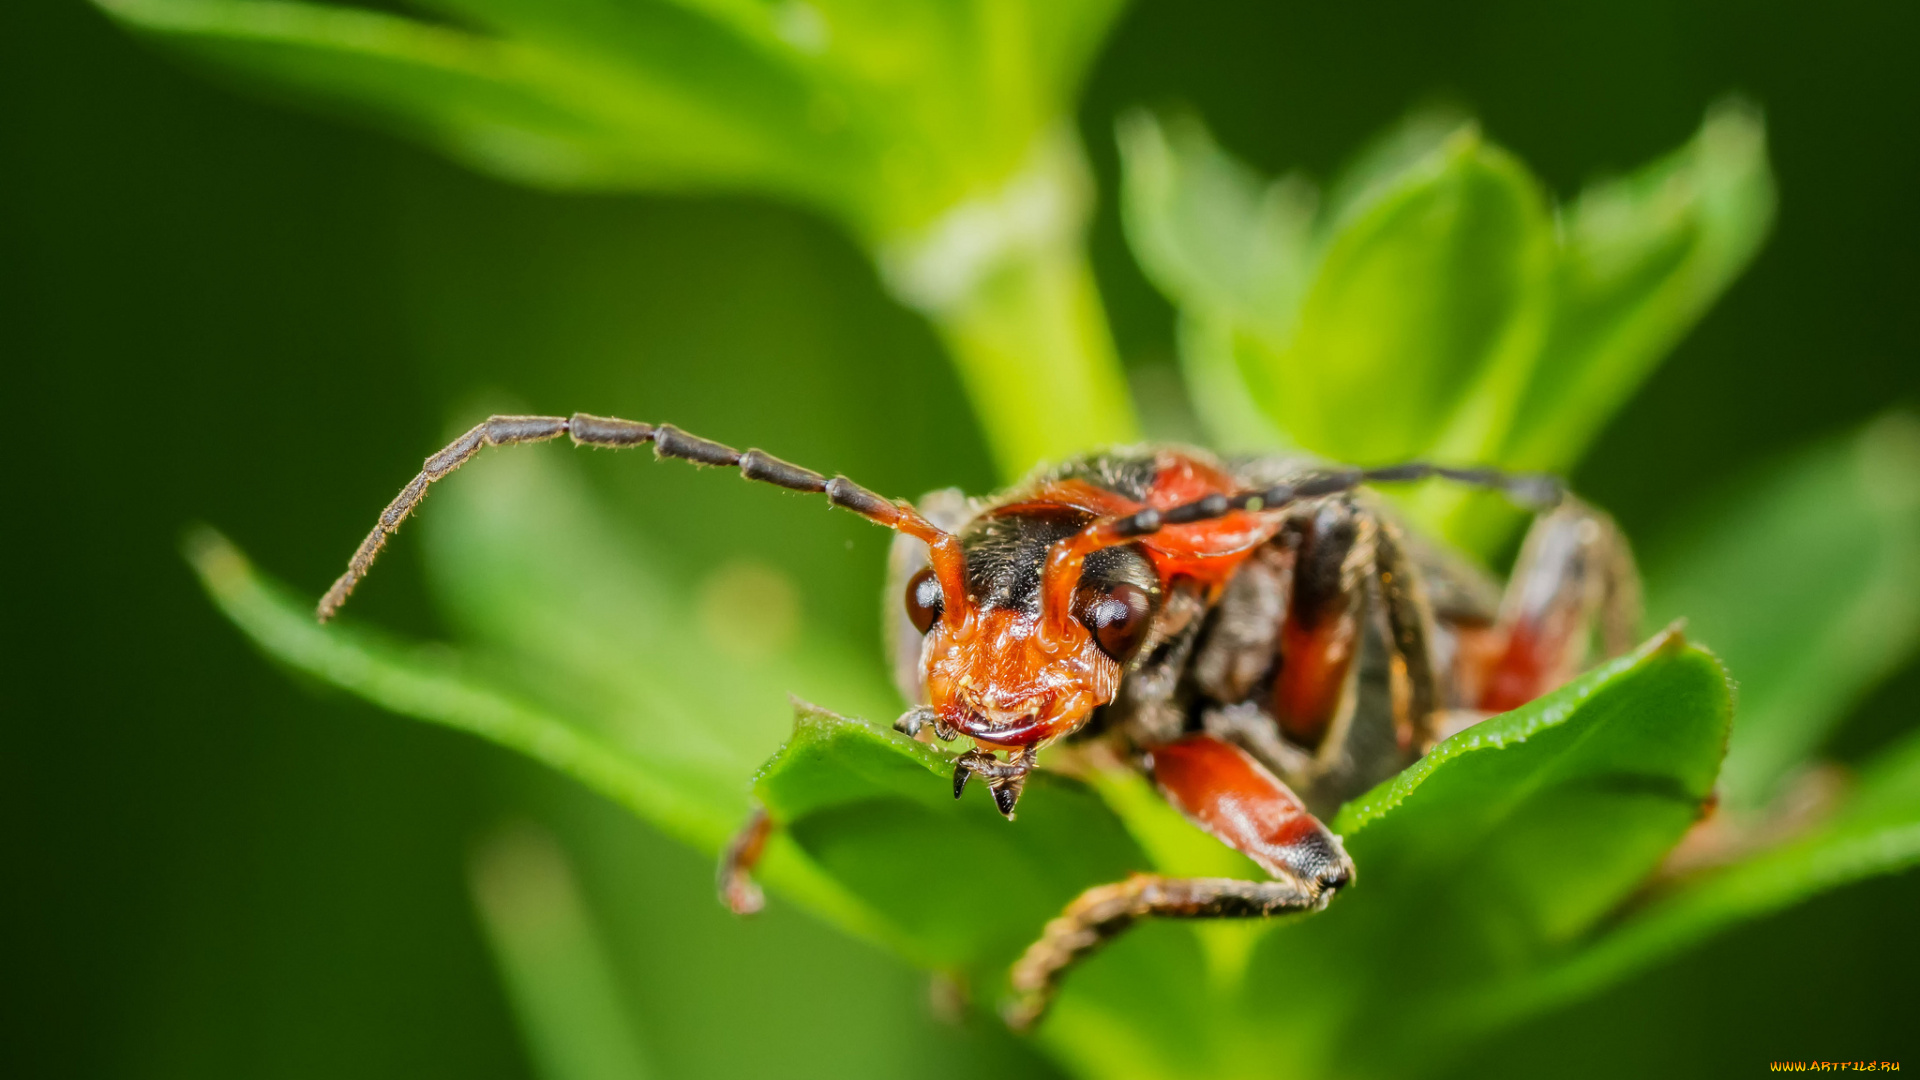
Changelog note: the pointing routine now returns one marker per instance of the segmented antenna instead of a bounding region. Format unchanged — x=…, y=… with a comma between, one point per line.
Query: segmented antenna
x=949, y=562
x=1532, y=491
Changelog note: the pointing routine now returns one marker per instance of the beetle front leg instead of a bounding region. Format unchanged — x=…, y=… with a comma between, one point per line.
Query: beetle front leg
x=1222, y=789
x=738, y=890
x=917, y=719
x=1101, y=913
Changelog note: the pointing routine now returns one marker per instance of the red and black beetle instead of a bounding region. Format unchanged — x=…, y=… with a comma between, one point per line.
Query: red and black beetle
x=1260, y=635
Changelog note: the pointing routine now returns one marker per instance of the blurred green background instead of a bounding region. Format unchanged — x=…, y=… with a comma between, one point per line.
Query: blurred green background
x=221, y=310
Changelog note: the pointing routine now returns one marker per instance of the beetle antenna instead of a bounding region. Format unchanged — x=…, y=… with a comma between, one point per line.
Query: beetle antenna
x=949, y=562
x=1531, y=491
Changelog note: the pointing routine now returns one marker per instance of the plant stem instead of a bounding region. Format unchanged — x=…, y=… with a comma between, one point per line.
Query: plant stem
x=1034, y=354
x=1005, y=280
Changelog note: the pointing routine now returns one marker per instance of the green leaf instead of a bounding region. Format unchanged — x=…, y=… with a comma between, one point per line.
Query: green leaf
x=1385, y=160
x=1492, y=857
x=434, y=684
x=1486, y=861
x=1218, y=391
x=1360, y=332
x=553, y=960
x=1209, y=231
x=592, y=662
x=1423, y=302
x=963, y=891
x=1806, y=579
x=577, y=610
x=512, y=107
x=876, y=811
x=670, y=775
x=1229, y=247
x=1432, y=307
x=937, y=134
x=1877, y=832
x=884, y=122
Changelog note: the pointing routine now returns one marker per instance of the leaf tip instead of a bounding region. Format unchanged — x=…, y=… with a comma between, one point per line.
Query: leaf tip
x=221, y=566
x=1136, y=129
x=1670, y=640
x=1735, y=126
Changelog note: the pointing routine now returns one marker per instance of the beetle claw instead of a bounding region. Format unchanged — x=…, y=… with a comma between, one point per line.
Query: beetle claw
x=973, y=761
x=1006, y=794
x=915, y=720
x=1005, y=779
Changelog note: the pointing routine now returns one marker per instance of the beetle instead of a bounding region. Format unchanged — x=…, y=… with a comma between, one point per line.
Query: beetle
x=1260, y=635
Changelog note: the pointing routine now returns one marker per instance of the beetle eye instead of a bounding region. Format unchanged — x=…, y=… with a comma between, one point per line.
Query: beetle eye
x=1119, y=619
x=924, y=600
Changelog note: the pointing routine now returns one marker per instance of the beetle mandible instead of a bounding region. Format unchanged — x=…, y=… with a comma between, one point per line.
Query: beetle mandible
x=1259, y=635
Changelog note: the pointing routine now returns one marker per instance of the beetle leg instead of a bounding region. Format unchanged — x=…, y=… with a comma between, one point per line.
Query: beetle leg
x=1226, y=791
x=915, y=720
x=737, y=888
x=1575, y=573
x=1221, y=788
x=1379, y=697
x=1238, y=649
x=1104, y=911
x=1409, y=626
x=1321, y=635
x=964, y=767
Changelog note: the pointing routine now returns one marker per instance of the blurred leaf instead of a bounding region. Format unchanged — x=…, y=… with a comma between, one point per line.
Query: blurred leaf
x=567, y=604
x=1231, y=248
x=433, y=683
x=1431, y=307
x=1360, y=332
x=1641, y=259
x=1425, y=297
x=1888, y=787
x=553, y=961
x=939, y=135
x=678, y=782
x=1806, y=579
x=506, y=106
x=1381, y=164
x=1211, y=372
x=884, y=121
x=1209, y=231
x=1876, y=833
x=588, y=662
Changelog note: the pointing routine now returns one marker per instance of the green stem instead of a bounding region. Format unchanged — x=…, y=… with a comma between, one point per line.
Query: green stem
x=1005, y=280
x=1034, y=354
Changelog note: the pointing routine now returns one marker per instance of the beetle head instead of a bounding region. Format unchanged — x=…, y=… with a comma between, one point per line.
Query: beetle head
x=1012, y=667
